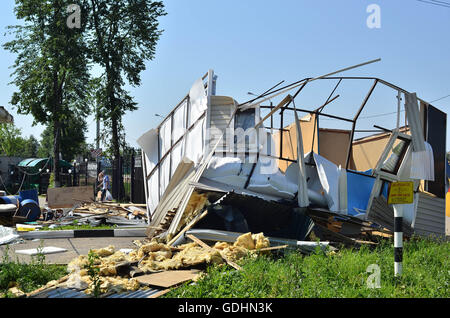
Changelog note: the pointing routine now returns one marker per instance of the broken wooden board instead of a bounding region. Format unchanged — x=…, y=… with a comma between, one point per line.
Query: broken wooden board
x=188, y=227
x=168, y=279
x=266, y=249
x=68, y=197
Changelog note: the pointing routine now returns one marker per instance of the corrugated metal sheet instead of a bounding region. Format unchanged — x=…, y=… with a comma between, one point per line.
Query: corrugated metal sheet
x=430, y=216
x=137, y=294
x=383, y=214
x=73, y=293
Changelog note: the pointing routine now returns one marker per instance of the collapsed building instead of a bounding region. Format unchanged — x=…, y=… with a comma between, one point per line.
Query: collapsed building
x=217, y=168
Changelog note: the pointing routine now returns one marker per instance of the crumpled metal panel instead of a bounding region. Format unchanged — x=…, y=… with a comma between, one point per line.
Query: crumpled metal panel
x=73, y=293
x=137, y=294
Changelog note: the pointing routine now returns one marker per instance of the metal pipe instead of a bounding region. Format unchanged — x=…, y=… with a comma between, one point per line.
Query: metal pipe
x=312, y=111
x=316, y=78
x=352, y=135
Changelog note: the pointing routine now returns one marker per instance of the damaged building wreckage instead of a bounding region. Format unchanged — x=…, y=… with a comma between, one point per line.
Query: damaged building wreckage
x=220, y=172
x=214, y=169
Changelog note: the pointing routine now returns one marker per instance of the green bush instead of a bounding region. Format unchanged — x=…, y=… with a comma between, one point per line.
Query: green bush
x=27, y=277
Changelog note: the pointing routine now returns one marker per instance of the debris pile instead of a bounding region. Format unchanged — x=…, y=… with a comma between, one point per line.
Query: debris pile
x=119, y=271
x=92, y=211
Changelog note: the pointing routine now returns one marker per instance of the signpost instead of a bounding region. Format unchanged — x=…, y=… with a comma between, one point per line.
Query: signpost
x=400, y=193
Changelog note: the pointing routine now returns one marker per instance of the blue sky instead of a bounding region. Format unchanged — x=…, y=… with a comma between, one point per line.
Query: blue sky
x=253, y=44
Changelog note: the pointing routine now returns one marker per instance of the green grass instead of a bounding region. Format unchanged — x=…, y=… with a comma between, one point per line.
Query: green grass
x=79, y=227
x=27, y=277
x=425, y=274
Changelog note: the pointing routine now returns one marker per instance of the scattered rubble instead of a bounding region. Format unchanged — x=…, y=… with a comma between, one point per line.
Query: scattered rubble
x=118, y=271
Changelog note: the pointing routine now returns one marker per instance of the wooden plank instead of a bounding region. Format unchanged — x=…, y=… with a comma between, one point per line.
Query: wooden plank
x=159, y=294
x=168, y=279
x=285, y=101
x=189, y=226
x=68, y=197
x=265, y=249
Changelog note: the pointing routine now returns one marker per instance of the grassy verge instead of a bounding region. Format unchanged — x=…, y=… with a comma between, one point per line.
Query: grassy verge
x=27, y=277
x=79, y=227
x=343, y=274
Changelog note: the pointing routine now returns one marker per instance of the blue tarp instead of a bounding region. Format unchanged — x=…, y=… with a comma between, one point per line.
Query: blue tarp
x=359, y=188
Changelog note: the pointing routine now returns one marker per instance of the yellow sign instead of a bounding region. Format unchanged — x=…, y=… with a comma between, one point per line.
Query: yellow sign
x=401, y=193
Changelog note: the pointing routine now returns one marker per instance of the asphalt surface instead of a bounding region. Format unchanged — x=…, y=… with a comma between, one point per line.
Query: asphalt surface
x=74, y=247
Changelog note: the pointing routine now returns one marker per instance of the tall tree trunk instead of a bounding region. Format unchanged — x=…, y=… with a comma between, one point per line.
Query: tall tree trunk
x=56, y=150
x=118, y=177
x=115, y=137
x=56, y=129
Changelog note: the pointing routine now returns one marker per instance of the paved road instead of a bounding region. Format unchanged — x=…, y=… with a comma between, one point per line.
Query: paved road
x=74, y=247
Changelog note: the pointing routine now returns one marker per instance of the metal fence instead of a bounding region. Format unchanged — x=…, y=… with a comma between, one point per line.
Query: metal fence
x=127, y=183
x=125, y=173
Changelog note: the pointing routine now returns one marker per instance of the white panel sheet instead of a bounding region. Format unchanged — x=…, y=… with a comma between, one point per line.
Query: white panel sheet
x=276, y=184
x=177, y=154
x=231, y=171
x=149, y=145
x=194, y=143
x=153, y=198
x=164, y=174
x=165, y=135
x=198, y=101
x=192, y=146
x=329, y=178
x=179, y=121
x=422, y=164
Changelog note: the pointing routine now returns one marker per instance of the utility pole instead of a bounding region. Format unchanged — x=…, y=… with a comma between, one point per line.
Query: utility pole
x=400, y=193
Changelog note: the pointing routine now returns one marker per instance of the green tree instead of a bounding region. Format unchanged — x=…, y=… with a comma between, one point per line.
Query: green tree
x=124, y=37
x=31, y=147
x=11, y=141
x=73, y=139
x=51, y=70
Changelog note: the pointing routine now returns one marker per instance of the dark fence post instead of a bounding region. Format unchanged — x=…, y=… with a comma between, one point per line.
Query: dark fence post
x=132, y=177
x=74, y=175
x=121, y=185
x=86, y=175
x=115, y=183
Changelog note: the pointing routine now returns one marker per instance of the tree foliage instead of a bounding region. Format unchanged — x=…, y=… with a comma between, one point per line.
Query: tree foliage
x=13, y=144
x=51, y=70
x=73, y=139
x=52, y=66
x=32, y=147
x=123, y=38
x=11, y=141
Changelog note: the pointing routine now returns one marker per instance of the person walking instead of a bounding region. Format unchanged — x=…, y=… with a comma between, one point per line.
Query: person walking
x=103, y=178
